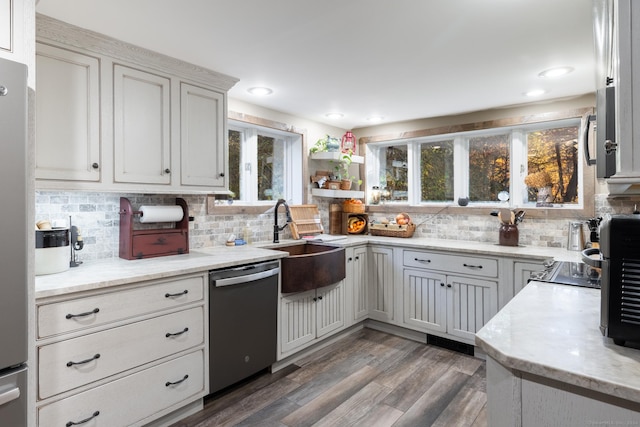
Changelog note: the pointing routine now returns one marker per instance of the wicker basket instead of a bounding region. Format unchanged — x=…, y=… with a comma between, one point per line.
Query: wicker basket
x=392, y=230
x=353, y=208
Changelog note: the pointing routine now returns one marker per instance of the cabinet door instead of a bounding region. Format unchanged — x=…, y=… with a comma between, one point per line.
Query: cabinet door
x=6, y=27
x=470, y=304
x=381, y=283
x=68, y=115
x=357, y=268
x=521, y=273
x=424, y=300
x=297, y=320
x=329, y=309
x=202, y=145
x=141, y=127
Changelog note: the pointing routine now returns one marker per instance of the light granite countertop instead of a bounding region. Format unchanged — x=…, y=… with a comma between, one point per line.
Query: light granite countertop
x=93, y=275
x=469, y=247
x=553, y=331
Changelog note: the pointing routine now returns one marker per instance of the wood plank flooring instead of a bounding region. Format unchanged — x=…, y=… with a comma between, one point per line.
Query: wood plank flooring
x=368, y=378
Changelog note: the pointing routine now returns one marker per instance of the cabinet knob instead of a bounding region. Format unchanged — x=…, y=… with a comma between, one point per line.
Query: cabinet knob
x=448, y=285
x=222, y=175
x=167, y=170
x=350, y=259
x=442, y=284
x=95, y=165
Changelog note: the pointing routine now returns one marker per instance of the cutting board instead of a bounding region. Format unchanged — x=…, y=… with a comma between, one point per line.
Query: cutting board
x=305, y=221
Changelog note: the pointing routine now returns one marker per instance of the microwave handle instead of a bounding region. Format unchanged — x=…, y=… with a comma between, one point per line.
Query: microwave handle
x=585, y=138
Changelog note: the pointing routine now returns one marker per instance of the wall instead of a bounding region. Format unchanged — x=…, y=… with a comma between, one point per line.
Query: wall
x=97, y=213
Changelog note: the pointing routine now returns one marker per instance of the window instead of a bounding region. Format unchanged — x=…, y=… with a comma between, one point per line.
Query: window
x=481, y=165
x=264, y=164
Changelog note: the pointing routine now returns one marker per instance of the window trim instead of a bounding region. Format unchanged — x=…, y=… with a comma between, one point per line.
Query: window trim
x=587, y=177
x=258, y=208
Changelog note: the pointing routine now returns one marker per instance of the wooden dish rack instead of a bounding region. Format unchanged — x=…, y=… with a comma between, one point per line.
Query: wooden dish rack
x=305, y=221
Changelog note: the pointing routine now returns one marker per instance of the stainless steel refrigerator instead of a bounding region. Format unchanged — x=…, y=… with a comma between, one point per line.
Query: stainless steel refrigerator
x=13, y=243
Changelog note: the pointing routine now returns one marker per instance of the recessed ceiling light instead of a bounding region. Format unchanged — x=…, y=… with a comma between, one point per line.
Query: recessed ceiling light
x=555, y=72
x=260, y=91
x=334, y=115
x=535, y=92
x=375, y=118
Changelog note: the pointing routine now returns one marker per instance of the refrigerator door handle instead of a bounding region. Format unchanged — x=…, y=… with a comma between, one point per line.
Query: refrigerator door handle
x=10, y=395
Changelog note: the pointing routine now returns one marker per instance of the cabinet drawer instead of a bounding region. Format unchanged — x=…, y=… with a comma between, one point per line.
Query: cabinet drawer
x=69, y=364
x=459, y=264
x=131, y=399
x=81, y=313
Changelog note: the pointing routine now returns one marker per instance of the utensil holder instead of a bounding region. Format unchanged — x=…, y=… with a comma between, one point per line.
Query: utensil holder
x=508, y=235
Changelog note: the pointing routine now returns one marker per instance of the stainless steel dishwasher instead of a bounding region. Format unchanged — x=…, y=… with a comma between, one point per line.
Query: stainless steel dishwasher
x=243, y=307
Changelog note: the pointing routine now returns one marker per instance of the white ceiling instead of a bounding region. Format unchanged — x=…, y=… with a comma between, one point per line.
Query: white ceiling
x=401, y=59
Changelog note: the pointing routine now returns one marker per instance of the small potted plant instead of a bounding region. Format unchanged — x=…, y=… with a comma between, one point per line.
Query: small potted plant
x=342, y=171
x=328, y=143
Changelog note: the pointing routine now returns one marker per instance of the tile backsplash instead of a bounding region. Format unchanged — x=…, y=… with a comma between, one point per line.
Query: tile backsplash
x=97, y=216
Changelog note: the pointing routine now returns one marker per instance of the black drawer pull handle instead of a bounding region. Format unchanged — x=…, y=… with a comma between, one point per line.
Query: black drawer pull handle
x=472, y=266
x=177, y=333
x=88, y=313
x=82, y=362
x=168, y=295
x=168, y=383
x=72, y=423
x=426, y=261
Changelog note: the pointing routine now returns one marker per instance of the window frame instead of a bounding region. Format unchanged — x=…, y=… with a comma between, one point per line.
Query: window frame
x=518, y=126
x=296, y=191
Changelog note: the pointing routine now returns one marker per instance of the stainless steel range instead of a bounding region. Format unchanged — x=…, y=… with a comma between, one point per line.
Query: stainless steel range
x=568, y=273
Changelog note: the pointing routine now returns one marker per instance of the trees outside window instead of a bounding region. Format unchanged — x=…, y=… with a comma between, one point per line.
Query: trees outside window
x=264, y=164
x=480, y=165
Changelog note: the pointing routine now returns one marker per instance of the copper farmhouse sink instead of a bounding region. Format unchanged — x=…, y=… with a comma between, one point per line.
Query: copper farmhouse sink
x=310, y=266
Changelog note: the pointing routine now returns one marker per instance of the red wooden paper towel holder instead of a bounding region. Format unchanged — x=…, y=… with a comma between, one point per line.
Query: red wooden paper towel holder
x=149, y=243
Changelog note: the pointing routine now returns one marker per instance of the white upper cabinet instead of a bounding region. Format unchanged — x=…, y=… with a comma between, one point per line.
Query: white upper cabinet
x=6, y=25
x=202, y=137
x=141, y=124
x=622, y=58
x=115, y=117
x=67, y=115
x=16, y=42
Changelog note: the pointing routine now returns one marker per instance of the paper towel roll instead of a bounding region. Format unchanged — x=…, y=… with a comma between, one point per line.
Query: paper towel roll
x=160, y=213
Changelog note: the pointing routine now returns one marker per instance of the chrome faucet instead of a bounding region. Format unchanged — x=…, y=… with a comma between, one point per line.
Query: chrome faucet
x=276, y=229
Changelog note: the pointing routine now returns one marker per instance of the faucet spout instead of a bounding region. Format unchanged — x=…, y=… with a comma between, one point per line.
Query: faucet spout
x=277, y=229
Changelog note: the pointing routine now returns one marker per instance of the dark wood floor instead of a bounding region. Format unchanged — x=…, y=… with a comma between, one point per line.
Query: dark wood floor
x=368, y=378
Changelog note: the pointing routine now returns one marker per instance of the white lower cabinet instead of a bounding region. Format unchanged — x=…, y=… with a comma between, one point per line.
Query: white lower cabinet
x=94, y=355
x=306, y=317
x=442, y=303
x=133, y=399
x=521, y=273
x=425, y=300
x=357, y=283
x=381, y=289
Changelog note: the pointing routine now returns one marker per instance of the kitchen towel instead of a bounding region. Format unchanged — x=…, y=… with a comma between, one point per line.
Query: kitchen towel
x=160, y=214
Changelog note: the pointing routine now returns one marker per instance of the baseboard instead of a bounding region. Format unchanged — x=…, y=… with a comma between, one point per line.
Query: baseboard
x=280, y=364
x=409, y=334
